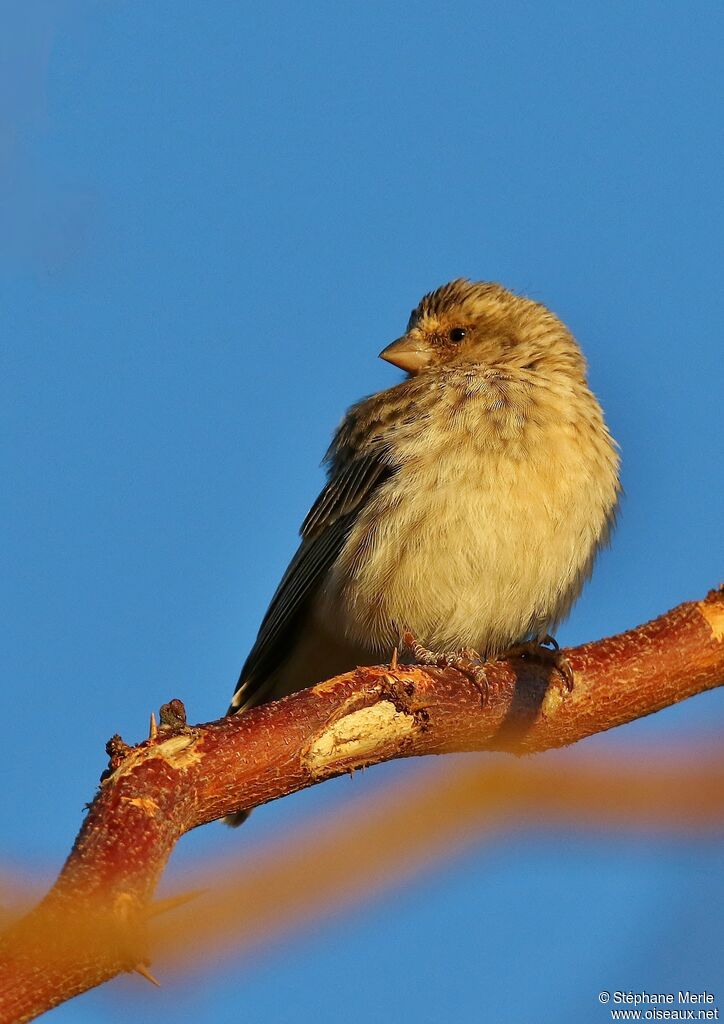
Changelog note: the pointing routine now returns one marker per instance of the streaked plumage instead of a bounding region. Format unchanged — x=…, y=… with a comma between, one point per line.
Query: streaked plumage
x=466, y=504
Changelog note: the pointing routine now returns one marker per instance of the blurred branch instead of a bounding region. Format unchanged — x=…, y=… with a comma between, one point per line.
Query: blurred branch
x=93, y=922
x=371, y=843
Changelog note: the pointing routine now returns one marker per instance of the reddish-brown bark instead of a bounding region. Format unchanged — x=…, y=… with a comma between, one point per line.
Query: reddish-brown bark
x=91, y=924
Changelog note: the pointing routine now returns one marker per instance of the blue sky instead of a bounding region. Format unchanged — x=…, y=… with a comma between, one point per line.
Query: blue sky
x=212, y=217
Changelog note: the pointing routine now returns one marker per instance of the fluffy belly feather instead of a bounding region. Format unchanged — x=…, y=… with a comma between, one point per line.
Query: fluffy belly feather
x=479, y=552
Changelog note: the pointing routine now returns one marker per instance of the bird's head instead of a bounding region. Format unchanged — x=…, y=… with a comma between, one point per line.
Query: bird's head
x=480, y=323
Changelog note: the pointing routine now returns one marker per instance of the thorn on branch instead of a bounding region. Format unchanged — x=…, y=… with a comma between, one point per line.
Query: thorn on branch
x=145, y=973
x=152, y=728
x=172, y=902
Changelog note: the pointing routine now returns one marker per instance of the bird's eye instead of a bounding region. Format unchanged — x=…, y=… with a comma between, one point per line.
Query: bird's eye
x=457, y=334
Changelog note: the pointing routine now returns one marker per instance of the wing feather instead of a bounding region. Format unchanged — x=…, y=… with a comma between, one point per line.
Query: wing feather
x=324, y=532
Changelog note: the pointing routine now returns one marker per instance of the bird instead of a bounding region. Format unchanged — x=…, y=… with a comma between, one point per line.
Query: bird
x=464, y=505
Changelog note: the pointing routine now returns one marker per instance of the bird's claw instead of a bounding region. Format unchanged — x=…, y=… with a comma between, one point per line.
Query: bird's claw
x=465, y=660
x=545, y=652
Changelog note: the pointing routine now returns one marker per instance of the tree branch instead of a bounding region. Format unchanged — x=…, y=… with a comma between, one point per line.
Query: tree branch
x=92, y=923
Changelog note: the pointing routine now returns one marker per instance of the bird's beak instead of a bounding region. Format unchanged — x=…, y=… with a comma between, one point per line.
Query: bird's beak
x=409, y=353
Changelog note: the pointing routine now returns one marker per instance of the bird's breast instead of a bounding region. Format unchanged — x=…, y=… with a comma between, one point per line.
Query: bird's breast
x=484, y=532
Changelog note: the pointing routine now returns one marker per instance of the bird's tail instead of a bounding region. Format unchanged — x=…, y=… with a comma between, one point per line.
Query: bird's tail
x=234, y=820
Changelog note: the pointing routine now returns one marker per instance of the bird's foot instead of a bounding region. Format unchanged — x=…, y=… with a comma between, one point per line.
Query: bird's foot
x=465, y=660
x=544, y=652
x=441, y=659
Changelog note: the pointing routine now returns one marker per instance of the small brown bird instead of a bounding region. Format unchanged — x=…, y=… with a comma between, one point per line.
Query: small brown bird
x=465, y=505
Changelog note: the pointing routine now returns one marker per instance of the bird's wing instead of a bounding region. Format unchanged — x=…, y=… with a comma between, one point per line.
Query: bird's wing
x=324, y=531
